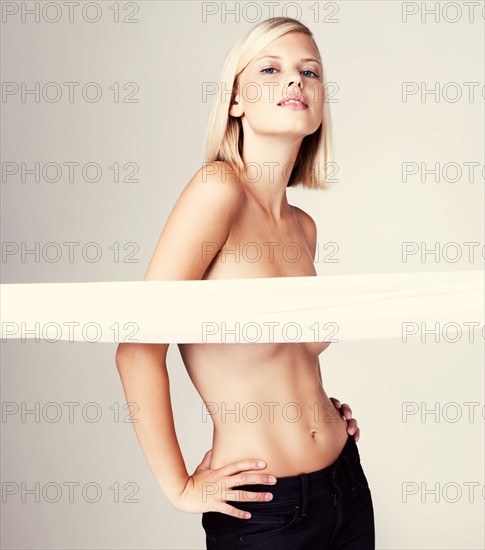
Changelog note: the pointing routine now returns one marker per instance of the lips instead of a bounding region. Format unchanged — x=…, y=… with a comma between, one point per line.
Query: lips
x=291, y=98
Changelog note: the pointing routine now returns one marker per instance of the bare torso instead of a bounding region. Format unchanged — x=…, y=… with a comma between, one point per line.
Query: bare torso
x=266, y=401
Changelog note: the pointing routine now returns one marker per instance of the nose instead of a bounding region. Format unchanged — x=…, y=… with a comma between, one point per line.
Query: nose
x=293, y=83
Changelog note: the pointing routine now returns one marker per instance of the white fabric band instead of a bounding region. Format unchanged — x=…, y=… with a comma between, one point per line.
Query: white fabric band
x=257, y=310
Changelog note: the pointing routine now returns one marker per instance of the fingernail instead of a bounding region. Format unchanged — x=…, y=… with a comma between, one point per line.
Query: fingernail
x=272, y=479
x=261, y=464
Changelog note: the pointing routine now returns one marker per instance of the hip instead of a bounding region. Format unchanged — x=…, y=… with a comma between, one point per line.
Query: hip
x=307, y=510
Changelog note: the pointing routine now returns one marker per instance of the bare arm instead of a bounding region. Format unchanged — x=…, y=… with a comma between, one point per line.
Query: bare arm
x=195, y=231
x=144, y=376
x=201, y=215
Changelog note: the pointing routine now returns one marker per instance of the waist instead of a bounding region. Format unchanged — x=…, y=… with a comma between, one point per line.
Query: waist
x=288, y=449
x=315, y=483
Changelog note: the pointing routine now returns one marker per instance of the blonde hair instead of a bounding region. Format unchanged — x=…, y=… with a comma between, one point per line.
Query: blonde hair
x=224, y=135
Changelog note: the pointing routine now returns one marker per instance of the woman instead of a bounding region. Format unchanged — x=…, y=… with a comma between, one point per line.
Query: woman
x=266, y=400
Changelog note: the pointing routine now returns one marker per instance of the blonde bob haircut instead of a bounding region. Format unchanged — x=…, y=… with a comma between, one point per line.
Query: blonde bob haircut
x=224, y=135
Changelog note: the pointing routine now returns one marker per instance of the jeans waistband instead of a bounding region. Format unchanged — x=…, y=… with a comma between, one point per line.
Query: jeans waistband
x=306, y=485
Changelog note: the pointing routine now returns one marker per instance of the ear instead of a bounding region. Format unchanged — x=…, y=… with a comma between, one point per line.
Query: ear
x=235, y=109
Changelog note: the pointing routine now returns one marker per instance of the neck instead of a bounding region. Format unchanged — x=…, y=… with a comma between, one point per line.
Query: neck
x=269, y=161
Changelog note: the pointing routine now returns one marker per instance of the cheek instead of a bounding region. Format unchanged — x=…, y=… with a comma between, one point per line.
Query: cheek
x=260, y=96
x=262, y=92
x=260, y=107
x=316, y=95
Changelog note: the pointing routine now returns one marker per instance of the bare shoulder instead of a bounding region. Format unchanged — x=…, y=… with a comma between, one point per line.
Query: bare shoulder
x=309, y=228
x=307, y=222
x=216, y=177
x=197, y=226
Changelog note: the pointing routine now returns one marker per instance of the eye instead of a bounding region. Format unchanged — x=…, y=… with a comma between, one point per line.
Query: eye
x=268, y=69
x=308, y=71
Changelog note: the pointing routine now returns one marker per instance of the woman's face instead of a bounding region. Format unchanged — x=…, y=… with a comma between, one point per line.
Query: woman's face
x=264, y=83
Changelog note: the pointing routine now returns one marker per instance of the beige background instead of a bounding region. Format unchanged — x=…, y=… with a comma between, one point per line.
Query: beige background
x=170, y=53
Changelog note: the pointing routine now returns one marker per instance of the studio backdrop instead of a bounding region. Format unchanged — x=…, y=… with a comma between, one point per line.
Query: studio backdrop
x=104, y=110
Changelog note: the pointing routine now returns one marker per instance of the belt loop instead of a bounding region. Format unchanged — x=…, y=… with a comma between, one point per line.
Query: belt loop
x=304, y=489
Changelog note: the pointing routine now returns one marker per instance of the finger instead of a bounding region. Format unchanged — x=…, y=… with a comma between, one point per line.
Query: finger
x=241, y=465
x=250, y=479
x=352, y=426
x=206, y=460
x=357, y=435
x=346, y=411
x=335, y=401
x=246, y=496
x=234, y=512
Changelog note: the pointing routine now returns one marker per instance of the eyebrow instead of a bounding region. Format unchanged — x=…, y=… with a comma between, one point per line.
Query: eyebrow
x=279, y=57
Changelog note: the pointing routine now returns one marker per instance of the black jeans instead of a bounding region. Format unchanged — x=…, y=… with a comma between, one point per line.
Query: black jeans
x=329, y=509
